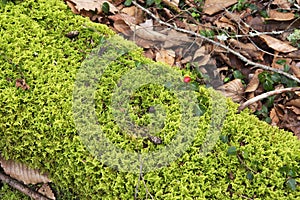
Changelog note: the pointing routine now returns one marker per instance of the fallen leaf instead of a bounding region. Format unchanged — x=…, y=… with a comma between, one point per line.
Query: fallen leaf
x=22, y=172
x=166, y=56
x=22, y=84
x=277, y=45
x=296, y=70
x=284, y=4
x=224, y=22
x=254, y=82
x=213, y=6
x=274, y=117
x=294, y=102
x=135, y=12
x=72, y=6
x=280, y=16
x=248, y=49
x=122, y=27
x=93, y=5
x=47, y=191
x=233, y=89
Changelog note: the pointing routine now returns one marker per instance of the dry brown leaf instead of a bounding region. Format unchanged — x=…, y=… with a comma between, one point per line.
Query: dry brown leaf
x=294, y=102
x=274, y=117
x=224, y=22
x=295, y=109
x=47, y=191
x=166, y=56
x=254, y=106
x=22, y=172
x=72, y=6
x=22, y=84
x=122, y=27
x=280, y=16
x=277, y=45
x=248, y=49
x=254, y=82
x=213, y=6
x=285, y=4
x=135, y=12
x=233, y=89
x=296, y=70
x=93, y=5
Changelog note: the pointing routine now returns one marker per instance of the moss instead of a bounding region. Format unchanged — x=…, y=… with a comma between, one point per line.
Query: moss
x=7, y=193
x=37, y=125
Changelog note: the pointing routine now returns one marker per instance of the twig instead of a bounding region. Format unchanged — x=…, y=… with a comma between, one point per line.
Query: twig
x=265, y=95
x=141, y=177
x=22, y=188
x=243, y=163
x=243, y=58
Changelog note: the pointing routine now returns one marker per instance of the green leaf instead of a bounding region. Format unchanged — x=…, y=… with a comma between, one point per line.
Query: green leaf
x=286, y=68
x=276, y=77
x=250, y=175
x=224, y=138
x=231, y=150
x=149, y=2
x=199, y=110
x=281, y=62
x=238, y=75
x=128, y=2
x=105, y=7
x=291, y=183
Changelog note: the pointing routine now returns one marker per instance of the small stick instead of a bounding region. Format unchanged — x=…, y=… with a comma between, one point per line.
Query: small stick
x=265, y=95
x=243, y=58
x=22, y=188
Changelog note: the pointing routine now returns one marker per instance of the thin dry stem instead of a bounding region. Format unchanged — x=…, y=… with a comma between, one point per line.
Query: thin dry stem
x=265, y=95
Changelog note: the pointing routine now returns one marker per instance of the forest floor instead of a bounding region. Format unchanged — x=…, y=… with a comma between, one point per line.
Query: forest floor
x=250, y=50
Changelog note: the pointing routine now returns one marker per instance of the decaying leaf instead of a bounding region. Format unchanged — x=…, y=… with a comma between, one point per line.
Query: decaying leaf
x=274, y=117
x=47, y=191
x=277, y=45
x=167, y=56
x=22, y=84
x=296, y=70
x=280, y=16
x=213, y=6
x=254, y=82
x=248, y=50
x=233, y=89
x=284, y=4
x=22, y=172
x=92, y=5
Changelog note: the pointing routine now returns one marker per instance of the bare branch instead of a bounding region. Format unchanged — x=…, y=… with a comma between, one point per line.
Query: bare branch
x=265, y=95
x=22, y=188
x=243, y=58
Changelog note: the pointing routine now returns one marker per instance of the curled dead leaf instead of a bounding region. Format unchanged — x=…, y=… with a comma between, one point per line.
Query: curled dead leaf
x=254, y=82
x=274, y=117
x=277, y=45
x=22, y=172
x=233, y=89
x=166, y=56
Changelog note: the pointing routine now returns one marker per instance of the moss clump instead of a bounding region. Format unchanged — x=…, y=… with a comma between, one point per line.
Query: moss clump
x=37, y=127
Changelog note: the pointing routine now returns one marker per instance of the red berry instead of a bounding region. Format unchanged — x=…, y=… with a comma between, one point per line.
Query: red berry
x=187, y=79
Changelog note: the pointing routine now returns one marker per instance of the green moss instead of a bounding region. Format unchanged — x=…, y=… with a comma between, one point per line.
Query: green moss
x=37, y=127
x=7, y=193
